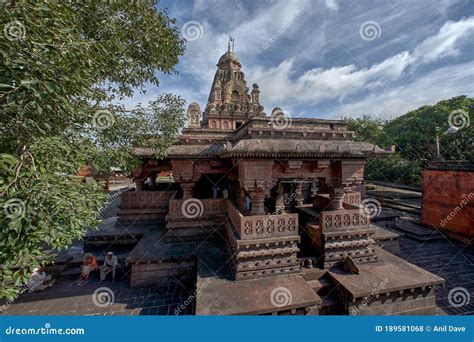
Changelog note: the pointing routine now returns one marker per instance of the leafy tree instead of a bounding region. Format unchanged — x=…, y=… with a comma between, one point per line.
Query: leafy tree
x=367, y=128
x=414, y=136
x=415, y=132
x=65, y=67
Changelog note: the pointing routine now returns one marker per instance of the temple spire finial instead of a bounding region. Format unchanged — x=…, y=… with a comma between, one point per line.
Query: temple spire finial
x=230, y=48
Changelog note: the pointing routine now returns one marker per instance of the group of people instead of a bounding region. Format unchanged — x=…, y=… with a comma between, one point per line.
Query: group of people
x=91, y=265
x=40, y=281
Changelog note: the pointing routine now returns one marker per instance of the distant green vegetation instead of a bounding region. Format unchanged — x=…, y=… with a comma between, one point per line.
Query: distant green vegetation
x=414, y=136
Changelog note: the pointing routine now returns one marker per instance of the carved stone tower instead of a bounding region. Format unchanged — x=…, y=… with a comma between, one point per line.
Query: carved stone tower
x=230, y=103
x=194, y=115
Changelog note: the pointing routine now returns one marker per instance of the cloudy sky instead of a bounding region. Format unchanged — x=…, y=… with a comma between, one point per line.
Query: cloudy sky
x=329, y=58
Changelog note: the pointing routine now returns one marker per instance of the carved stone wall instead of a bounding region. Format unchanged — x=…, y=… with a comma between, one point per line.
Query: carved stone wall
x=262, y=245
x=140, y=206
x=193, y=219
x=341, y=234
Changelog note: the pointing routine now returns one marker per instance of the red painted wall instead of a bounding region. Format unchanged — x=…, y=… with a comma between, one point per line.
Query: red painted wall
x=448, y=202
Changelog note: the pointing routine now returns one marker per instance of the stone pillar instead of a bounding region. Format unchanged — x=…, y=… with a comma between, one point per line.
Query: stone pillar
x=336, y=195
x=314, y=188
x=258, y=199
x=299, y=200
x=187, y=190
x=139, y=184
x=240, y=199
x=279, y=203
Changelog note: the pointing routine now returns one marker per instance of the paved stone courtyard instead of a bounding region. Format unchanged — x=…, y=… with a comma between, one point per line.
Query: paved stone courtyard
x=442, y=256
x=66, y=298
x=448, y=259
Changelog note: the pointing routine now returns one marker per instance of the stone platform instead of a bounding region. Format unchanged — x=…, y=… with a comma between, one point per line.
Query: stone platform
x=386, y=239
x=153, y=262
x=281, y=295
x=391, y=287
x=218, y=294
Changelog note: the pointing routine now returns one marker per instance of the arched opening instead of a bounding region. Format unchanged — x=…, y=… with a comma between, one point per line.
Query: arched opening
x=235, y=96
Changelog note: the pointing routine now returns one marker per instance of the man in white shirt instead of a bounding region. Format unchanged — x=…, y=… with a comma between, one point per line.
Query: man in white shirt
x=39, y=280
x=110, y=265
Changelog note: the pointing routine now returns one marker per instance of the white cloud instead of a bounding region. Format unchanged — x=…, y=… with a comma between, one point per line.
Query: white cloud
x=319, y=84
x=332, y=5
x=440, y=84
x=443, y=44
x=280, y=87
x=322, y=30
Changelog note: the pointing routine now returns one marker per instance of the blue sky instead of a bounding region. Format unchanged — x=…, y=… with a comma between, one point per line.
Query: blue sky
x=328, y=58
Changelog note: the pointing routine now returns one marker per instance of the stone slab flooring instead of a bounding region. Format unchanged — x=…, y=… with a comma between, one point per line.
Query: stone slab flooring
x=448, y=259
x=66, y=298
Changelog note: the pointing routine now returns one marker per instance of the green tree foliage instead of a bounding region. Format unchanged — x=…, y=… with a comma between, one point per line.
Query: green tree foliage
x=414, y=137
x=415, y=133
x=65, y=66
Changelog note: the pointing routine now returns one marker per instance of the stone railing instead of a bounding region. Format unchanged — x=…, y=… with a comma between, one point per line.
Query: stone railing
x=353, y=198
x=268, y=226
x=262, y=226
x=145, y=199
x=234, y=214
x=194, y=208
x=344, y=219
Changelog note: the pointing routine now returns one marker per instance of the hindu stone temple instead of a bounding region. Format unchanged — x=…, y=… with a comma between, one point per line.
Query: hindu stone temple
x=262, y=214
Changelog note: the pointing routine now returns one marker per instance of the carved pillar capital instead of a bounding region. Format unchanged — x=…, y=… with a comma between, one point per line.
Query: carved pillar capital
x=139, y=184
x=187, y=190
x=336, y=195
x=299, y=194
x=258, y=199
x=279, y=203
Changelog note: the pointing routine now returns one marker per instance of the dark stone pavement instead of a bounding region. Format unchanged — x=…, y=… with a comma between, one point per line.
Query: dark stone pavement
x=66, y=298
x=446, y=258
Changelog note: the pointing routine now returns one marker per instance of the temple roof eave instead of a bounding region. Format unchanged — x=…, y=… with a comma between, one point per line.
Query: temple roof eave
x=273, y=148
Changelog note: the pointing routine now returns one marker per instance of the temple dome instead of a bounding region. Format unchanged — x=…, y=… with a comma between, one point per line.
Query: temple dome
x=229, y=56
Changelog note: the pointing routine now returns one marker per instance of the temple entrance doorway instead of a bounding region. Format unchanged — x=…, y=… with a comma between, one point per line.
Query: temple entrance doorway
x=214, y=185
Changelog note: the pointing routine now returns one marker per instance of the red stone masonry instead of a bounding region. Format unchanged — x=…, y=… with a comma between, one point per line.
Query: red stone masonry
x=448, y=201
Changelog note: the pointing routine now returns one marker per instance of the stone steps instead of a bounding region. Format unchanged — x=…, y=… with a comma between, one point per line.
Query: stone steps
x=416, y=231
x=323, y=287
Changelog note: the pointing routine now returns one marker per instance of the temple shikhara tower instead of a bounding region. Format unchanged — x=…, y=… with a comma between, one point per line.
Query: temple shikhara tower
x=229, y=104
x=262, y=214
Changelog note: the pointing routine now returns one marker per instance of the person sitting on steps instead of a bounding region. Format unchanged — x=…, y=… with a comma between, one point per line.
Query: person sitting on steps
x=110, y=265
x=89, y=265
x=39, y=281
